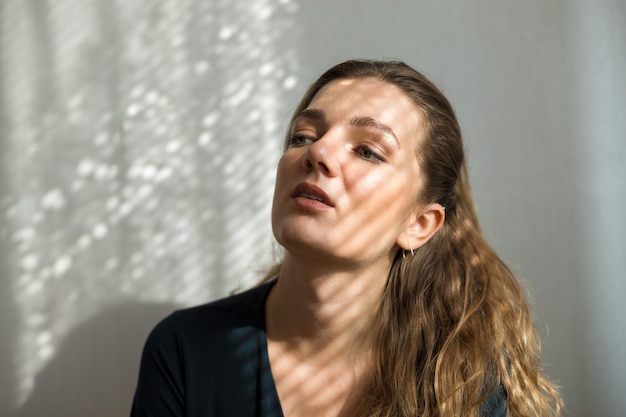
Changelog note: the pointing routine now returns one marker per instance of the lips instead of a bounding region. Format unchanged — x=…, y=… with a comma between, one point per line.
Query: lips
x=311, y=192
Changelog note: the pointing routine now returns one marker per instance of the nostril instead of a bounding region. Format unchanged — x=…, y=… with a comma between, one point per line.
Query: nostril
x=308, y=165
x=323, y=167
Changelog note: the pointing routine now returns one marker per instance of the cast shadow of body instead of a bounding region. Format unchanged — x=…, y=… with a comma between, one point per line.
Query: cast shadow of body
x=95, y=369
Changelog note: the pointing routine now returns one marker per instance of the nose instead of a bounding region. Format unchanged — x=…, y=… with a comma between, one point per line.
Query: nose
x=323, y=156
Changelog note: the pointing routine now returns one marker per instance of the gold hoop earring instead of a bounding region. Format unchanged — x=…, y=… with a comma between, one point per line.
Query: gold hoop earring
x=406, y=257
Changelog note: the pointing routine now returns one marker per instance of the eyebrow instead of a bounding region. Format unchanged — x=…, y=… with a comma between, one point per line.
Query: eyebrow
x=357, y=121
x=366, y=121
x=312, y=114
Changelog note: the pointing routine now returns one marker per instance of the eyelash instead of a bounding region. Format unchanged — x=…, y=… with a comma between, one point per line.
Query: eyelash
x=371, y=156
x=293, y=140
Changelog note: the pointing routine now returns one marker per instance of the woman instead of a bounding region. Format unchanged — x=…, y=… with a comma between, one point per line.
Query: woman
x=388, y=301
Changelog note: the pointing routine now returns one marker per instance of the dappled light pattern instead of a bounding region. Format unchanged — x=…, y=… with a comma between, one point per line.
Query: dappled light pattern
x=139, y=142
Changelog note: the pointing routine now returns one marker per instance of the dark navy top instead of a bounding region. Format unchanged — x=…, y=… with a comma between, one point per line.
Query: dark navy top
x=212, y=361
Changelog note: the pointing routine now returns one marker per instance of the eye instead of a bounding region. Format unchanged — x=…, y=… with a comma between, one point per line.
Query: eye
x=299, y=140
x=368, y=154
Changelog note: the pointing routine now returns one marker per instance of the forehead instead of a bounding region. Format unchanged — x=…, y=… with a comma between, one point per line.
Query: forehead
x=343, y=99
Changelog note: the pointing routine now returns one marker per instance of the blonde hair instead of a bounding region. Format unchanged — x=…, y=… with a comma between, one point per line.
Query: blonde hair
x=453, y=326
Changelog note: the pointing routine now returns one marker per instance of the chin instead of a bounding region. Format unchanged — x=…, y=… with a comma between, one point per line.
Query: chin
x=302, y=242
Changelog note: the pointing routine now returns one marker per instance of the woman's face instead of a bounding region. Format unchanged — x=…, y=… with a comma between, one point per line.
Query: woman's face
x=347, y=185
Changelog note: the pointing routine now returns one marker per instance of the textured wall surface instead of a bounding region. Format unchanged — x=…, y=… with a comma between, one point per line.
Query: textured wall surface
x=138, y=143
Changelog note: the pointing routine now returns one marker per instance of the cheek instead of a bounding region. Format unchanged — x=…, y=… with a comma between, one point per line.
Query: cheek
x=285, y=166
x=288, y=162
x=279, y=183
x=381, y=194
x=382, y=184
x=401, y=196
x=286, y=172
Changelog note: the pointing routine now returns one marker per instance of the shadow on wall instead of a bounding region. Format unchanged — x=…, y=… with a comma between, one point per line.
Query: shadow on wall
x=95, y=369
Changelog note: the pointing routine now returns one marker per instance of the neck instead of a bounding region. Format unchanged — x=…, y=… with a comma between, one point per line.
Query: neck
x=319, y=310
x=319, y=322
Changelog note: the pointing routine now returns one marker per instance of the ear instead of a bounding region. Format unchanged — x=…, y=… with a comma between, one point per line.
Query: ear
x=423, y=225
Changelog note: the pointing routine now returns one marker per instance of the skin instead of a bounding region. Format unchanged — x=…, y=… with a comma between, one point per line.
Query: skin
x=354, y=148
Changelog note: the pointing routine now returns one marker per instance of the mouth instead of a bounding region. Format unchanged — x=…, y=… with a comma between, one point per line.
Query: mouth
x=311, y=192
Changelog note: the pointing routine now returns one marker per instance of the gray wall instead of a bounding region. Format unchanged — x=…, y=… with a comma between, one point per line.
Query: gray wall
x=138, y=143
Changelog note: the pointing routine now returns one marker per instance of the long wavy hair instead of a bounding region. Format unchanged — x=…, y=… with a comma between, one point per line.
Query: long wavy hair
x=453, y=325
